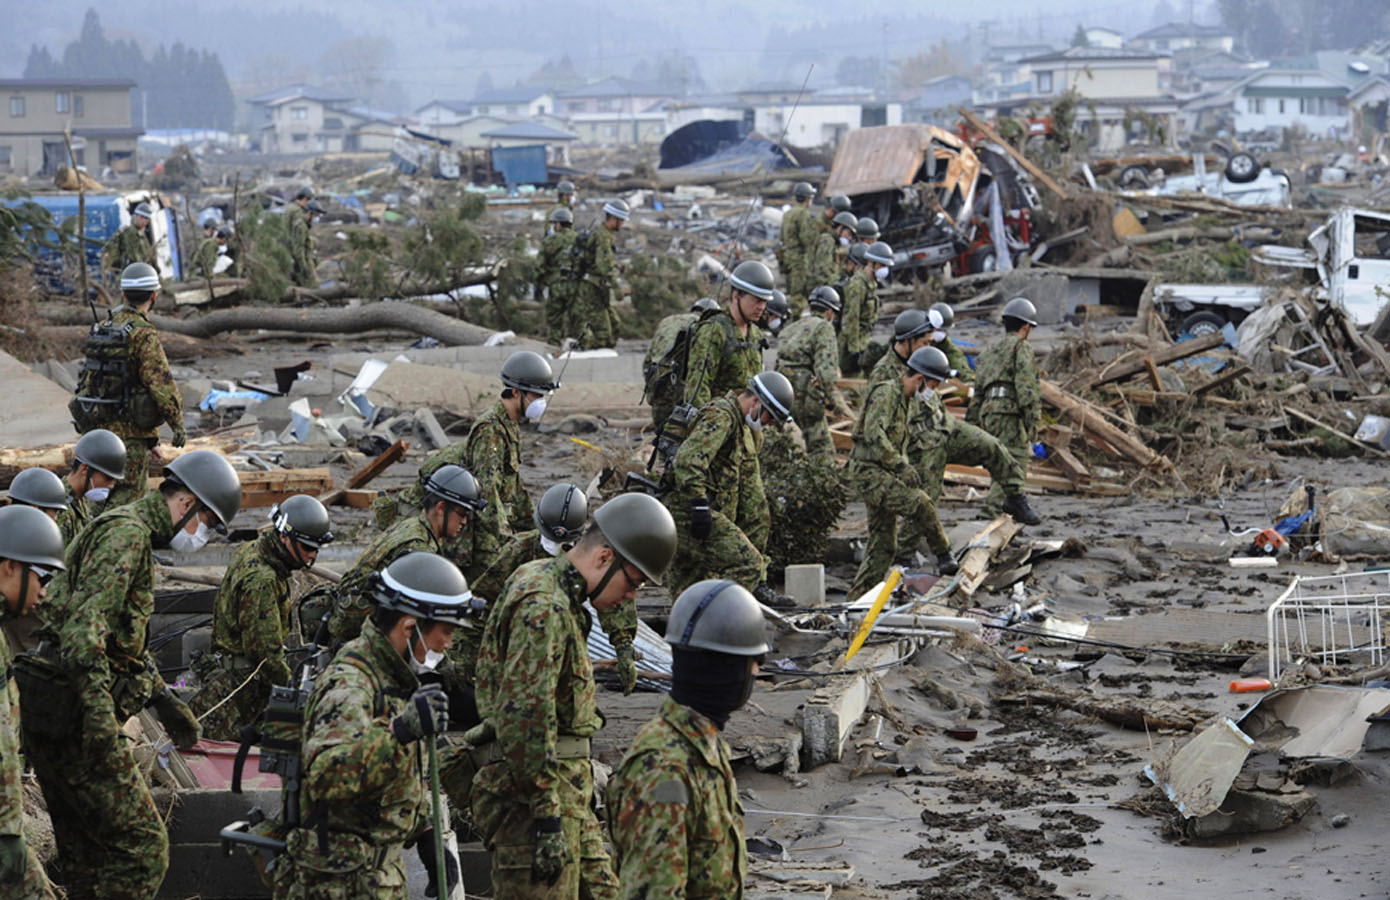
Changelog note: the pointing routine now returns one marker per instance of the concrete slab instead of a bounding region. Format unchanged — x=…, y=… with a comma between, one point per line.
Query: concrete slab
x=832, y=711
x=33, y=410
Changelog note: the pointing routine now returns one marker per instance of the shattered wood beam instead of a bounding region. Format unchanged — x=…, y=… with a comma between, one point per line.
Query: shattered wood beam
x=1193, y=232
x=1136, y=715
x=1163, y=358
x=367, y=473
x=983, y=548
x=348, y=320
x=1024, y=162
x=1088, y=418
x=1230, y=376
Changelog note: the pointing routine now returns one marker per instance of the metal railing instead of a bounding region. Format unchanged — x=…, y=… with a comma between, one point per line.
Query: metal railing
x=1329, y=619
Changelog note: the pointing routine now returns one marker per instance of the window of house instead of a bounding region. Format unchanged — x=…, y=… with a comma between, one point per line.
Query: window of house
x=60, y=101
x=299, y=112
x=1044, y=82
x=1281, y=105
x=484, y=110
x=610, y=131
x=1254, y=105
x=16, y=107
x=77, y=105
x=299, y=138
x=608, y=106
x=5, y=158
x=540, y=110
x=332, y=124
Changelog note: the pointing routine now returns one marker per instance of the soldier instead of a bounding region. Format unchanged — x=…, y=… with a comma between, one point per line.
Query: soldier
x=858, y=310
x=131, y=245
x=826, y=264
x=31, y=553
x=824, y=223
x=532, y=798
x=883, y=476
x=365, y=784
x=98, y=462
x=866, y=230
x=777, y=314
x=111, y=839
x=593, y=321
x=717, y=495
x=673, y=804
x=942, y=317
x=251, y=619
x=554, y=275
x=726, y=349
x=450, y=496
x=807, y=357
x=299, y=214
x=564, y=197
x=205, y=257
x=662, y=379
x=1008, y=397
x=126, y=386
x=797, y=241
x=41, y=489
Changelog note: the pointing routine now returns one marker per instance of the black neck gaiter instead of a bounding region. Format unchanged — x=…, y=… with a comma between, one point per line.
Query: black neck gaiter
x=713, y=684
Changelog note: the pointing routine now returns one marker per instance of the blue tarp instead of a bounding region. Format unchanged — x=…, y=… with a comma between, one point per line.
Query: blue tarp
x=712, y=147
x=521, y=165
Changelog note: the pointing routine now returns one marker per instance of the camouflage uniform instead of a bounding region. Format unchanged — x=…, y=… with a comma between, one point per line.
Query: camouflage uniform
x=250, y=620
x=129, y=245
x=797, y=240
x=492, y=452
x=354, y=596
x=660, y=391
x=806, y=354
x=111, y=839
x=858, y=313
x=719, y=461
x=553, y=274
x=205, y=259
x=720, y=360
x=592, y=320
x=150, y=367
x=34, y=885
x=370, y=789
x=1007, y=401
x=879, y=470
x=955, y=358
x=301, y=246
x=78, y=514
x=674, y=812
x=536, y=689
x=823, y=262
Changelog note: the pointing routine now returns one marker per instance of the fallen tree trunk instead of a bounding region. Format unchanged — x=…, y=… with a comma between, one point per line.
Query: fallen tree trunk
x=484, y=274
x=1192, y=232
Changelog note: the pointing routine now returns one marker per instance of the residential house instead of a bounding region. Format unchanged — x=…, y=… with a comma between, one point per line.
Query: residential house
x=616, y=111
x=817, y=123
x=299, y=118
x=937, y=102
x=1177, y=36
x=39, y=110
x=442, y=112
x=1007, y=75
x=1312, y=91
x=529, y=134
x=769, y=93
x=515, y=103
x=361, y=129
x=1370, y=103
x=1105, y=38
x=467, y=131
x=707, y=107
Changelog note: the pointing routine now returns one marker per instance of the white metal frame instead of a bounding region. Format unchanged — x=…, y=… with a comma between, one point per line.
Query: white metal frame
x=1327, y=618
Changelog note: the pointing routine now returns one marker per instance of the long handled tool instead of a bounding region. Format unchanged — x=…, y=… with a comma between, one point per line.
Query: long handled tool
x=440, y=860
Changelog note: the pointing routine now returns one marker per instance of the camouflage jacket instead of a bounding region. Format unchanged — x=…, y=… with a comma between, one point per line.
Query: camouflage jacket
x=674, y=812
x=955, y=358
x=535, y=681
x=598, y=265
x=809, y=345
x=75, y=517
x=552, y=263
x=125, y=247
x=719, y=461
x=251, y=615
x=880, y=435
x=371, y=787
x=926, y=420
x=11, y=764
x=99, y=618
x=492, y=452
x=206, y=257
x=823, y=261
x=1006, y=382
x=664, y=338
x=796, y=231
x=150, y=368
x=354, y=595
x=720, y=359
x=858, y=312
x=301, y=246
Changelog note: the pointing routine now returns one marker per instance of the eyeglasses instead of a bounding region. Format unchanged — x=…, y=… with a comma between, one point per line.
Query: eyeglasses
x=45, y=575
x=634, y=585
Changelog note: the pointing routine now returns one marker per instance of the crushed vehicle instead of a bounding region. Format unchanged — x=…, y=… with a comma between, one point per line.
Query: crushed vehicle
x=106, y=215
x=938, y=199
x=1241, y=180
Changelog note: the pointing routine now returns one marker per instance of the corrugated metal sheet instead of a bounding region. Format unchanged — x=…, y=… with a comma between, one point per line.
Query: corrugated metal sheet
x=878, y=159
x=656, y=653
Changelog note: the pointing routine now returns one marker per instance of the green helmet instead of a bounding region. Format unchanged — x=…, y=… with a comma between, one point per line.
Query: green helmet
x=941, y=315
x=40, y=488
x=930, y=362
x=102, y=450
x=844, y=219
x=1021, y=309
x=562, y=512
x=456, y=485
x=803, y=190
x=866, y=229
x=840, y=203
x=859, y=254
x=139, y=276
x=143, y=209
x=427, y=586
x=719, y=616
x=526, y=370
x=29, y=536
x=565, y=187
x=212, y=480
x=881, y=253
x=825, y=297
x=304, y=519
x=562, y=214
x=774, y=392
x=754, y=278
x=618, y=209
x=910, y=324
x=778, y=305
x=641, y=531
x=304, y=193
x=704, y=305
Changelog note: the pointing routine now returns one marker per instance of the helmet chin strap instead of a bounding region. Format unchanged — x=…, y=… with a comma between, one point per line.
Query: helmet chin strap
x=613, y=569
x=193, y=510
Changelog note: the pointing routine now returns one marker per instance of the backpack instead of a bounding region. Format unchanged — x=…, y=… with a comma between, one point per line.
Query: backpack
x=574, y=265
x=107, y=389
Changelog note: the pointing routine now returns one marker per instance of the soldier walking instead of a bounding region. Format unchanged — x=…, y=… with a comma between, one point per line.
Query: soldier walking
x=860, y=308
x=726, y=349
x=1008, y=396
x=593, y=322
x=299, y=215
x=673, y=804
x=798, y=238
x=826, y=264
x=131, y=245
x=807, y=354
x=532, y=799
x=555, y=273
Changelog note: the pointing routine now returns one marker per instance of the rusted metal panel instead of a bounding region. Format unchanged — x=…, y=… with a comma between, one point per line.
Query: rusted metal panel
x=878, y=159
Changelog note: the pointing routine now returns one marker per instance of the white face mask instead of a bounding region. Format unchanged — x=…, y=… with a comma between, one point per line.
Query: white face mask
x=774, y=324
x=938, y=336
x=881, y=273
x=754, y=423
x=535, y=409
x=98, y=495
x=551, y=547
x=844, y=241
x=924, y=394
x=184, y=542
x=432, y=657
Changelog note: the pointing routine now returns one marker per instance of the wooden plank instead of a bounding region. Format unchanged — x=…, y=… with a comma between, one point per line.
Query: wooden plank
x=309, y=480
x=364, y=475
x=1163, y=357
x=1024, y=162
x=977, y=477
x=1069, y=464
x=1230, y=376
x=1089, y=418
x=841, y=438
x=985, y=546
x=1152, y=370
x=359, y=499
x=425, y=416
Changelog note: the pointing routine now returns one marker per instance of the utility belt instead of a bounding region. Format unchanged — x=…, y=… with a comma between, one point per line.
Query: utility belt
x=567, y=746
x=46, y=684
x=220, y=661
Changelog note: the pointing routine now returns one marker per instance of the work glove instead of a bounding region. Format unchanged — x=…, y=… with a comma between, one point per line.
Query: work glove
x=14, y=859
x=177, y=719
x=180, y=436
x=701, y=519
x=426, y=848
x=627, y=667
x=548, y=861
x=426, y=713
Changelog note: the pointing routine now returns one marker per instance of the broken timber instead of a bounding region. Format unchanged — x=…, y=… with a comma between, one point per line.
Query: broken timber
x=1163, y=357
x=362, y=476
x=1091, y=420
x=268, y=488
x=984, y=547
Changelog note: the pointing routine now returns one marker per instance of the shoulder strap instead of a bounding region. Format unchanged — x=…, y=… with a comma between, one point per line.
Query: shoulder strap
x=360, y=663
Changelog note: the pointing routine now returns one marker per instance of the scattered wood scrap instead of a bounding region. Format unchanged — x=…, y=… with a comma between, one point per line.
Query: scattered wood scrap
x=1150, y=362
x=366, y=474
x=982, y=549
x=1091, y=420
x=268, y=488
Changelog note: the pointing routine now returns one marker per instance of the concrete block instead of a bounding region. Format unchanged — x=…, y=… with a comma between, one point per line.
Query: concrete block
x=831, y=713
x=1251, y=812
x=806, y=583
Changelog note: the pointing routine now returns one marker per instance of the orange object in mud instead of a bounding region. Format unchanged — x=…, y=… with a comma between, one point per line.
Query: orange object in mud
x=1250, y=685
x=1268, y=542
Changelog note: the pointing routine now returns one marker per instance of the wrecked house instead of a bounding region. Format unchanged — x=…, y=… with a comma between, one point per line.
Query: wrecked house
x=710, y=148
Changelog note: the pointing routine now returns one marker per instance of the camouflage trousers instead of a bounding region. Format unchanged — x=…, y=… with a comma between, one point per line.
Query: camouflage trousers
x=112, y=842
x=794, y=269
x=592, y=320
x=34, y=885
x=298, y=875
x=726, y=553
x=963, y=444
x=888, y=498
x=808, y=410
x=508, y=830
x=220, y=682
x=559, y=297
x=137, y=470
x=1016, y=437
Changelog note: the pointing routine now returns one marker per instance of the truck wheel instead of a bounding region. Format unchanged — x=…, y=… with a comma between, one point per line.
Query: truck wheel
x=1201, y=324
x=982, y=260
x=1242, y=168
x=1134, y=177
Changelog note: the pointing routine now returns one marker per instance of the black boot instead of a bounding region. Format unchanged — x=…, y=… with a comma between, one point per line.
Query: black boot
x=1017, y=506
x=946, y=564
x=765, y=595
